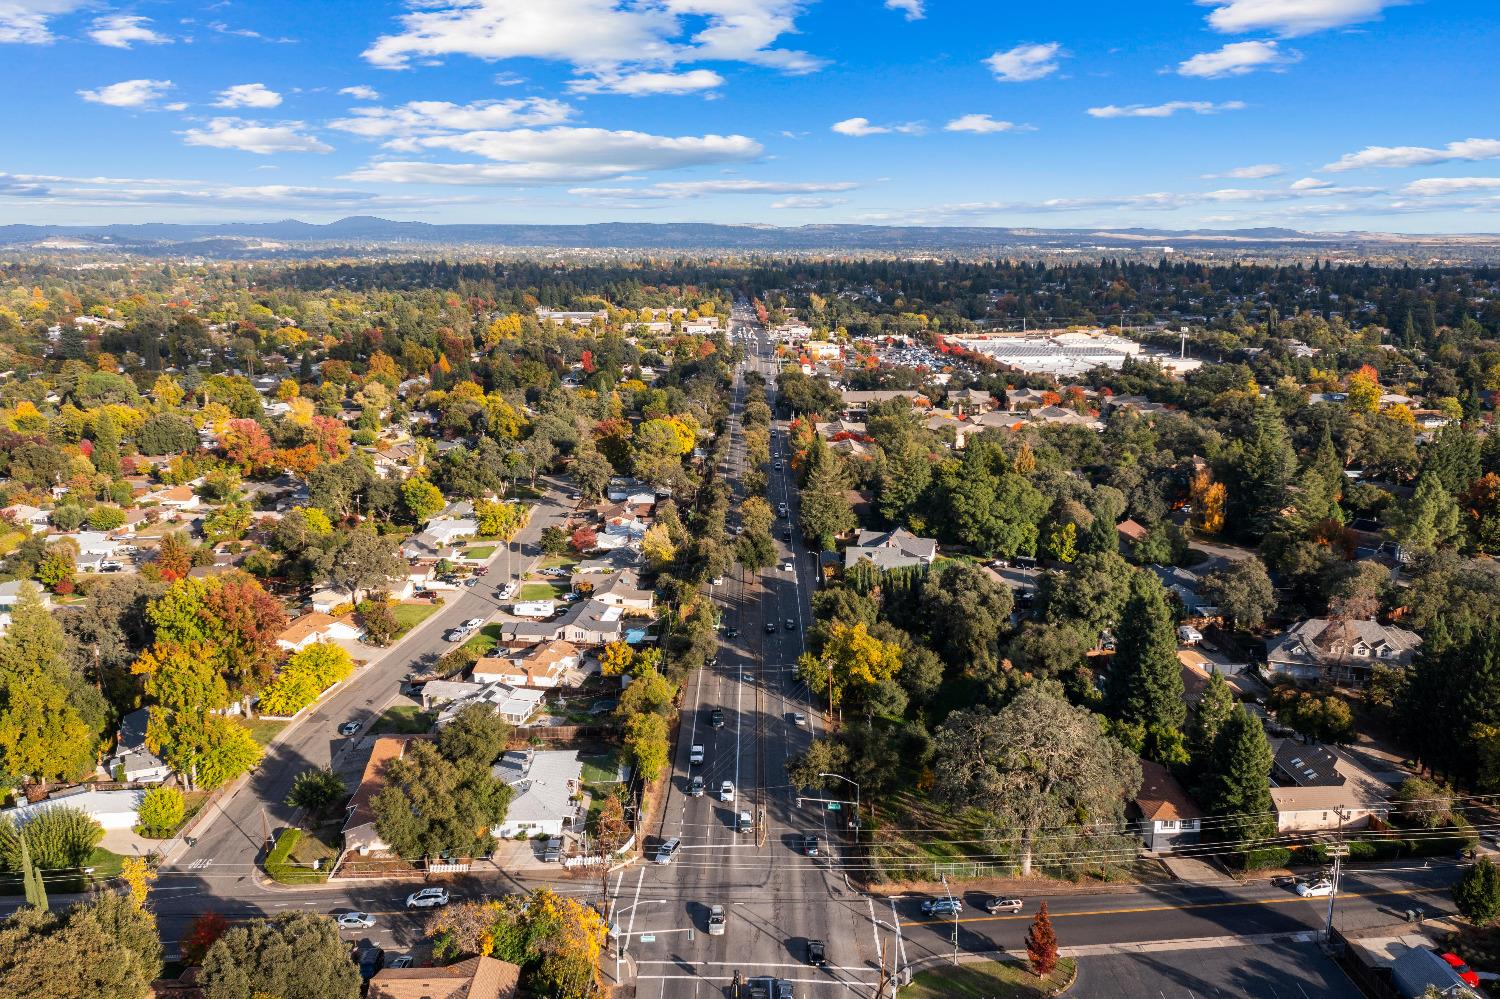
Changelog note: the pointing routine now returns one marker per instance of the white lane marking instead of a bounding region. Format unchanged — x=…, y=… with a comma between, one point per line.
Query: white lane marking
x=875, y=932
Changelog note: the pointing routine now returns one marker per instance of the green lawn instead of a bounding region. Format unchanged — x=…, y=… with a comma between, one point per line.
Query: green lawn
x=408, y=616
x=106, y=865
x=290, y=861
x=487, y=639
x=542, y=591
x=558, y=562
x=987, y=980
x=602, y=769
x=403, y=719
x=481, y=551
x=263, y=730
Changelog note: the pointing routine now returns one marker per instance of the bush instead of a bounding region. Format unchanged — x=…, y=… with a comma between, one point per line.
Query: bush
x=161, y=812
x=1265, y=858
x=105, y=518
x=1477, y=893
x=59, y=838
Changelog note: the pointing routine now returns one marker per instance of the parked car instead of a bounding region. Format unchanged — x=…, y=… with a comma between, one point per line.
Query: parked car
x=349, y=728
x=998, y=904
x=717, y=921
x=371, y=960
x=472, y=623
x=817, y=953
x=1320, y=888
x=787, y=566
x=404, y=961
x=942, y=907
x=355, y=921
x=552, y=851
x=726, y=791
x=1461, y=968
x=695, y=755
x=695, y=786
x=427, y=898
x=716, y=717
x=668, y=850
x=716, y=581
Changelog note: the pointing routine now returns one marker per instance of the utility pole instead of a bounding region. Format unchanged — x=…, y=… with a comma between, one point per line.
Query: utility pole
x=955, y=919
x=1339, y=851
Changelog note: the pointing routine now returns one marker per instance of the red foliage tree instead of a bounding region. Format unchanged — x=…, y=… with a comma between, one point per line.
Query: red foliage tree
x=202, y=934
x=247, y=444
x=584, y=539
x=248, y=620
x=1041, y=944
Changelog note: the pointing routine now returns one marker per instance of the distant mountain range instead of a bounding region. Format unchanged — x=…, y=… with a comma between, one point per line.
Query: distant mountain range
x=365, y=233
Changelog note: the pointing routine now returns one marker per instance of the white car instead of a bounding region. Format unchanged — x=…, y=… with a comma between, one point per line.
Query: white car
x=717, y=921
x=788, y=567
x=726, y=791
x=472, y=623
x=1321, y=888
x=695, y=755
x=427, y=898
x=798, y=718
x=355, y=921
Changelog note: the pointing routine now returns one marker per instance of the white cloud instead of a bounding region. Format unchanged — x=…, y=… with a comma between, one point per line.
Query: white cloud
x=1166, y=110
x=1025, y=62
x=221, y=28
x=1237, y=59
x=128, y=93
x=860, y=127
x=981, y=123
x=120, y=31
x=597, y=36
x=252, y=137
x=1409, y=156
x=1434, y=187
x=806, y=203
x=116, y=192
x=248, y=95
x=433, y=117
x=557, y=155
x=648, y=84
x=676, y=190
x=360, y=92
x=1290, y=18
x=913, y=9
x=25, y=21
x=1309, y=184
x=1258, y=171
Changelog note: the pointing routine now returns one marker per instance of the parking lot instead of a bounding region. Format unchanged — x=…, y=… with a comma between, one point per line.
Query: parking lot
x=1265, y=971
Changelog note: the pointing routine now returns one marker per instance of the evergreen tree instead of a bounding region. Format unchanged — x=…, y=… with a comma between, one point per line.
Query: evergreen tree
x=1145, y=682
x=33, y=887
x=1428, y=520
x=1263, y=469
x=1477, y=894
x=1213, y=710
x=826, y=512
x=1237, y=789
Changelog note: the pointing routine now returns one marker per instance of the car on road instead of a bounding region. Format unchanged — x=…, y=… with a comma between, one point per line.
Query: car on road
x=744, y=823
x=791, y=625
x=776, y=466
x=507, y=591
x=716, y=717
x=371, y=960
x=942, y=907
x=998, y=904
x=355, y=921
x=788, y=567
x=695, y=755
x=732, y=633
x=726, y=791
x=716, y=581
x=349, y=728
x=668, y=850
x=770, y=627
x=404, y=961
x=810, y=845
x=472, y=623
x=427, y=898
x=695, y=786
x=817, y=953
x=798, y=718
x=479, y=570
x=781, y=509
x=786, y=535
x=717, y=921
x=1320, y=888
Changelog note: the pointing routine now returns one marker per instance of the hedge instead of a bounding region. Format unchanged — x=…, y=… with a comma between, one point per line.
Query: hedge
x=281, y=867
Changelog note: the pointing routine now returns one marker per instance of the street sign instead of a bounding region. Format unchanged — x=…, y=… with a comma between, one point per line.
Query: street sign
x=834, y=806
x=648, y=938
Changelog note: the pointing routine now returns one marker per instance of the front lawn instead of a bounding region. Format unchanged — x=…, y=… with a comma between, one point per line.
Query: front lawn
x=408, y=616
x=987, y=980
x=290, y=861
x=403, y=719
x=541, y=591
x=263, y=730
x=558, y=562
x=480, y=551
x=103, y=866
x=486, y=640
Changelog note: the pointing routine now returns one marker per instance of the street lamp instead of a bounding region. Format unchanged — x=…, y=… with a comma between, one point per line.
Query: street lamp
x=856, y=800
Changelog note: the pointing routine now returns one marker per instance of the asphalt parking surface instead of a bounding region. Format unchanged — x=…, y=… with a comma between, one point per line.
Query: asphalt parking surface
x=1265, y=971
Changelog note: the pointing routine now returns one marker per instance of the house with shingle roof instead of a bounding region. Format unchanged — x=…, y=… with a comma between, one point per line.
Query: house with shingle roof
x=476, y=978
x=1167, y=816
x=1324, y=650
x=891, y=549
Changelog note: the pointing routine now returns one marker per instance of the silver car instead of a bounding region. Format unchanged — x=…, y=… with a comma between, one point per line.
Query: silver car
x=717, y=921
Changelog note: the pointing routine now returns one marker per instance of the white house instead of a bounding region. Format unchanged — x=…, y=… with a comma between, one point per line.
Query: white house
x=448, y=530
x=317, y=627
x=28, y=516
x=542, y=666
x=111, y=809
x=131, y=759
x=175, y=498
x=514, y=704
x=548, y=792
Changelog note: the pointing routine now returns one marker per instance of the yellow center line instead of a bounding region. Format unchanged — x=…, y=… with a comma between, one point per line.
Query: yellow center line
x=1165, y=908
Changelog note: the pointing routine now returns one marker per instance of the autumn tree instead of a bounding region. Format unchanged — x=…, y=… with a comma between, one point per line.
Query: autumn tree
x=1208, y=502
x=852, y=662
x=1041, y=944
x=296, y=955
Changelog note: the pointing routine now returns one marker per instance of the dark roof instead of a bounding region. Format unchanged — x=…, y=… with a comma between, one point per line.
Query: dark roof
x=1299, y=765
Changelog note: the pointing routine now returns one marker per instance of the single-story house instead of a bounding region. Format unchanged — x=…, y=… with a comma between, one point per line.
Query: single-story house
x=1317, y=788
x=1186, y=585
x=542, y=665
x=547, y=785
x=622, y=589
x=111, y=809
x=585, y=623
x=514, y=704
x=1339, y=651
x=318, y=627
x=476, y=978
x=175, y=498
x=359, y=827
x=324, y=601
x=27, y=516
x=10, y=596
x=131, y=759
x=891, y=549
x=1167, y=817
x=448, y=530
x=615, y=561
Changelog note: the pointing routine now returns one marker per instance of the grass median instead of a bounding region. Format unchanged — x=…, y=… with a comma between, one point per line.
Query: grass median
x=988, y=980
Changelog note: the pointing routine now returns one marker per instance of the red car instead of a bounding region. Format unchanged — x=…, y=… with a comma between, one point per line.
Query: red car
x=1471, y=979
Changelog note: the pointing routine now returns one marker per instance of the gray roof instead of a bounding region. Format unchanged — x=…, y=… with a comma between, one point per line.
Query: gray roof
x=1323, y=641
x=1302, y=765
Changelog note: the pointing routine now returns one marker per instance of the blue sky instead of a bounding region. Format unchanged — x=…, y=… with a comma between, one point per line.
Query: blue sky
x=1313, y=114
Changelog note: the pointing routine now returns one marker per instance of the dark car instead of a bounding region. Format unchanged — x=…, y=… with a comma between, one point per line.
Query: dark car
x=732, y=633
x=817, y=954
x=791, y=625
x=770, y=627
x=716, y=718
x=786, y=535
x=371, y=960
x=810, y=845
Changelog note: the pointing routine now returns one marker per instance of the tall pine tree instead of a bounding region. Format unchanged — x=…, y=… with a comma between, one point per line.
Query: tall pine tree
x=1237, y=789
x=1145, y=680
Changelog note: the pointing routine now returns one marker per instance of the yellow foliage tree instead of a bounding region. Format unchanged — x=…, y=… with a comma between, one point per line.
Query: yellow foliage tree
x=138, y=875
x=616, y=659
x=1208, y=502
x=1363, y=388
